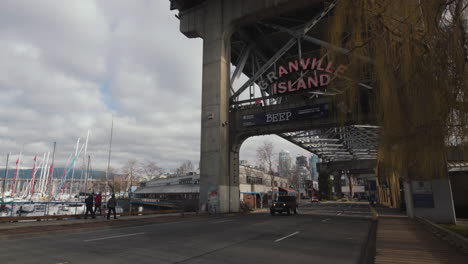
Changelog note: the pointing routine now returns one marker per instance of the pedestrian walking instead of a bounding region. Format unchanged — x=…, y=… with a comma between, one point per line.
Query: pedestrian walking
x=89, y=206
x=97, y=203
x=111, y=204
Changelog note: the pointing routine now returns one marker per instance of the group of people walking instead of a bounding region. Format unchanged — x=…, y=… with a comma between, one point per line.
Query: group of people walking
x=96, y=200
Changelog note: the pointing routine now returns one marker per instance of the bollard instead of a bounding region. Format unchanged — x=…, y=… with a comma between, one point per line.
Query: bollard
x=140, y=209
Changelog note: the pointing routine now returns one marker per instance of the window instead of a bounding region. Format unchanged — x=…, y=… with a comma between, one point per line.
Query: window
x=254, y=180
x=185, y=181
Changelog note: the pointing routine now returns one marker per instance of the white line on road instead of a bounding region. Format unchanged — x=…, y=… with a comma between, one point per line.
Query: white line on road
x=261, y=223
x=103, y=238
x=222, y=221
x=290, y=235
x=325, y=220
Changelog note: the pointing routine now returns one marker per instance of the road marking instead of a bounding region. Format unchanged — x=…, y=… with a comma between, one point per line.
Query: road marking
x=261, y=223
x=290, y=235
x=103, y=238
x=222, y=221
x=325, y=220
x=339, y=213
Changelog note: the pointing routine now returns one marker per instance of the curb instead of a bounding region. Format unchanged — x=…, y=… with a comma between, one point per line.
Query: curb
x=369, y=248
x=443, y=233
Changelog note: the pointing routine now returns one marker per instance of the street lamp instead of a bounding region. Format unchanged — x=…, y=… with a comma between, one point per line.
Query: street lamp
x=348, y=176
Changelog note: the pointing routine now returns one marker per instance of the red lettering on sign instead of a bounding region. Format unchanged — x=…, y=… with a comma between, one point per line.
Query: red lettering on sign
x=282, y=71
x=304, y=64
x=301, y=84
x=293, y=65
x=324, y=79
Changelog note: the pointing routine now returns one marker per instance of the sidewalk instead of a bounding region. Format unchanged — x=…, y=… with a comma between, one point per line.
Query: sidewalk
x=384, y=211
x=401, y=240
x=26, y=229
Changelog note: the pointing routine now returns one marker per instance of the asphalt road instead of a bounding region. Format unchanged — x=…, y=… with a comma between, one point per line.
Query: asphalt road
x=312, y=237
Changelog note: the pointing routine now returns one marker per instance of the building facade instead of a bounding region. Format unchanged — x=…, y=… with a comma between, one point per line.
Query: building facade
x=313, y=160
x=255, y=188
x=284, y=164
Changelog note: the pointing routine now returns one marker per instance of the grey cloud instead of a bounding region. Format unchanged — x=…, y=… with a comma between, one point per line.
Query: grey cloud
x=56, y=57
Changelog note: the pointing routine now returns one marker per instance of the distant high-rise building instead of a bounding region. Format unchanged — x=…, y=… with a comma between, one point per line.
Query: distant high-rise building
x=284, y=163
x=301, y=161
x=244, y=163
x=313, y=160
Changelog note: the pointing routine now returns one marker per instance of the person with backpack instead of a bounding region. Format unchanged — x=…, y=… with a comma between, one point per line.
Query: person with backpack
x=89, y=206
x=111, y=204
x=97, y=203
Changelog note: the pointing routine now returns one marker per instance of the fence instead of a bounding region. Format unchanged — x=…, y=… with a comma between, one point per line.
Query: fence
x=19, y=209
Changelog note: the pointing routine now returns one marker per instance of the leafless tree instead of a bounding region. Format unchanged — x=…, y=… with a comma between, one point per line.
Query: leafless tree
x=113, y=182
x=151, y=170
x=130, y=171
x=265, y=157
x=102, y=182
x=185, y=168
x=293, y=176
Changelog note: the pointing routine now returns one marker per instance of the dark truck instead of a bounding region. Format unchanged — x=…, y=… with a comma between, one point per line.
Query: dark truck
x=284, y=203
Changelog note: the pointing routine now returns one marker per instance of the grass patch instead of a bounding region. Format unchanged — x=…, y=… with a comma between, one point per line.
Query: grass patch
x=461, y=230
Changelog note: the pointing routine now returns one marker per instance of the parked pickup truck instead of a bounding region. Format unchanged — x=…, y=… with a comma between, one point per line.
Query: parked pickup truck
x=286, y=204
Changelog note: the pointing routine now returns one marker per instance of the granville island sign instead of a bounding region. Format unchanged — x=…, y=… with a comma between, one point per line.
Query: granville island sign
x=322, y=74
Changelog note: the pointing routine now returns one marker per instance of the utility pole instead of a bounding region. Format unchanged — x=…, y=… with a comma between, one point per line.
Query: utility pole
x=5, y=177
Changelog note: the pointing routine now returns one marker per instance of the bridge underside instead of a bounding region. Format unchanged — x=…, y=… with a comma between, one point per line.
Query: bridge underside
x=259, y=48
x=283, y=82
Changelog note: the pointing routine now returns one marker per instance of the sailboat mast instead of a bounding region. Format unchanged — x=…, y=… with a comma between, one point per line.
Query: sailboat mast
x=87, y=175
x=33, y=176
x=73, y=170
x=46, y=175
x=51, y=172
x=83, y=173
x=108, y=160
x=5, y=177
x=41, y=175
x=13, y=186
x=36, y=182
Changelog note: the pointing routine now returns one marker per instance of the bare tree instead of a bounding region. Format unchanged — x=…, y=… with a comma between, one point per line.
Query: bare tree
x=293, y=176
x=151, y=170
x=130, y=171
x=102, y=182
x=113, y=181
x=185, y=168
x=265, y=157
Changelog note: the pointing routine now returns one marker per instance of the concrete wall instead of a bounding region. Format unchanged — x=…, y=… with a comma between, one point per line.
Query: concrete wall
x=443, y=211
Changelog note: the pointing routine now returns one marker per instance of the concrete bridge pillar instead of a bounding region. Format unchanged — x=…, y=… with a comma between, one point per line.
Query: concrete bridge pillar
x=217, y=193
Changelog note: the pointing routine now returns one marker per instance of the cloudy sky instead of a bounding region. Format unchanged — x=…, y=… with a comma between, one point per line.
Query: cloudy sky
x=67, y=67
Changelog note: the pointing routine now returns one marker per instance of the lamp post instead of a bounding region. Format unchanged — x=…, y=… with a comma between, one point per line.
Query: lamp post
x=348, y=176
